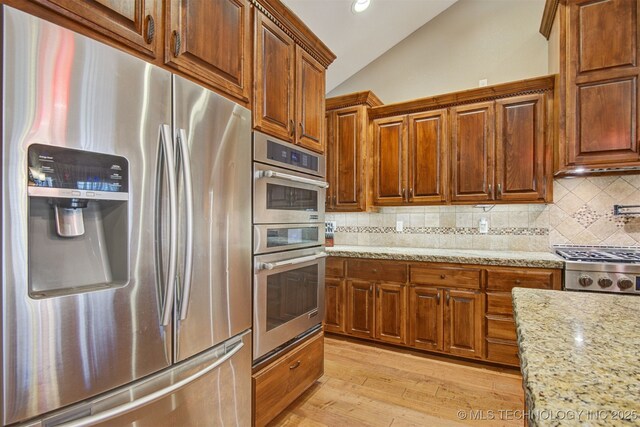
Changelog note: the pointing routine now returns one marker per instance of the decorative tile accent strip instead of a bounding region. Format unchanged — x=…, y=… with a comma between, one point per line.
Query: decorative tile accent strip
x=469, y=231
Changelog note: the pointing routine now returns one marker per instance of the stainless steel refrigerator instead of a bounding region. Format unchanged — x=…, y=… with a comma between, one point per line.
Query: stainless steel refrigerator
x=126, y=239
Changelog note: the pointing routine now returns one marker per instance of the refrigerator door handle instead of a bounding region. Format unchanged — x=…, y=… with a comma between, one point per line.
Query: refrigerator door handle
x=150, y=398
x=188, y=184
x=167, y=149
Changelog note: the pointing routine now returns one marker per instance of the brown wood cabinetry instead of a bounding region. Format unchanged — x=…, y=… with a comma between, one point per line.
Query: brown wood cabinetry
x=283, y=380
x=289, y=90
x=472, y=152
x=136, y=24
x=334, y=304
x=348, y=151
x=598, y=42
x=457, y=309
x=211, y=41
x=389, y=152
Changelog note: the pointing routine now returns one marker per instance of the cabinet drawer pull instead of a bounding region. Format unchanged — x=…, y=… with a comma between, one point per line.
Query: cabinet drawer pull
x=301, y=129
x=375, y=270
x=499, y=190
x=411, y=193
x=295, y=365
x=403, y=194
x=177, y=43
x=518, y=281
x=292, y=127
x=490, y=189
x=150, y=24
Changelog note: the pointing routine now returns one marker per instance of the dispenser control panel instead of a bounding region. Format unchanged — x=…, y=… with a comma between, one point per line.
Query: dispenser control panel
x=82, y=172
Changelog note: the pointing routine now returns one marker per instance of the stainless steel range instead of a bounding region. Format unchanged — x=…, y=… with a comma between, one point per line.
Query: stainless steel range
x=601, y=268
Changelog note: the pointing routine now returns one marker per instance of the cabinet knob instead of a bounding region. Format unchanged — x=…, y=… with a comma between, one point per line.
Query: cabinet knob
x=150, y=24
x=442, y=276
x=177, y=43
x=518, y=281
x=375, y=270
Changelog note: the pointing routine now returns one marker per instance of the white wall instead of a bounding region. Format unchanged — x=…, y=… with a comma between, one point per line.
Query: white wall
x=472, y=40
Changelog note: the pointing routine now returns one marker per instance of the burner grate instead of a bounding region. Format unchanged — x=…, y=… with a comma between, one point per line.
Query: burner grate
x=599, y=255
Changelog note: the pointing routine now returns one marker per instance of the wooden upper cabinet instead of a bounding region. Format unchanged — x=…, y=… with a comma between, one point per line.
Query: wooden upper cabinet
x=601, y=70
x=345, y=152
x=520, y=148
x=472, y=152
x=134, y=23
x=274, y=102
x=463, y=322
x=427, y=151
x=425, y=318
x=310, y=78
x=389, y=151
x=211, y=41
x=391, y=311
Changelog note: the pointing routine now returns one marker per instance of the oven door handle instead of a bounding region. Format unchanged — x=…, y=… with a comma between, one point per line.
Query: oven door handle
x=293, y=261
x=294, y=178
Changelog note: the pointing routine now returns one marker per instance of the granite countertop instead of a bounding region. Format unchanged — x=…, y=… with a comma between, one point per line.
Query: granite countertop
x=460, y=256
x=580, y=356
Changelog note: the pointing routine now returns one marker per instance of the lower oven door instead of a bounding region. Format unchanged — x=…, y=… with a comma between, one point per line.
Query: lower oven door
x=288, y=297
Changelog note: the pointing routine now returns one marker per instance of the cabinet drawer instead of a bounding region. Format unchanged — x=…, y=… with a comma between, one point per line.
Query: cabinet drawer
x=445, y=276
x=334, y=267
x=505, y=280
x=499, y=303
x=386, y=271
x=281, y=382
x=502, y=352
x=501, y=327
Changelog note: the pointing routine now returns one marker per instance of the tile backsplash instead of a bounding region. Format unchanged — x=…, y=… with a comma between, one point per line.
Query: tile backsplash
x=582, y=213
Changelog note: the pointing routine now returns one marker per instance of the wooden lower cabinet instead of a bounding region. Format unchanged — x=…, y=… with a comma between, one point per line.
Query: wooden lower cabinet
x=462, y=310
x=283, y=380
x=463, y=323
x=360, y=309
x=425, y=318
x=334, y=305
x=391, y=310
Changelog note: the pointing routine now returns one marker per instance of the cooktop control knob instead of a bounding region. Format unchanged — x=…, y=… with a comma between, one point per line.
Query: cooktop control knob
x=605, y=282
x=625, y=283
x=585, y=280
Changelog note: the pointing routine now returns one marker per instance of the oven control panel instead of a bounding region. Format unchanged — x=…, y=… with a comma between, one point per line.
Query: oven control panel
x=601, y=281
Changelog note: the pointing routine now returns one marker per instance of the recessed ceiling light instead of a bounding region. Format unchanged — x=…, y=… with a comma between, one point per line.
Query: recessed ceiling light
x=360, y=5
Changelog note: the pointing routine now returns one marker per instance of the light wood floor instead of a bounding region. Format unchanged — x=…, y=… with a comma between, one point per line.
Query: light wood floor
x=373, y=385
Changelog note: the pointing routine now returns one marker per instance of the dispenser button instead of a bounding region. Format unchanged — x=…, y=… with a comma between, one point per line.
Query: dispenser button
x=75, y=193
x=91, y=194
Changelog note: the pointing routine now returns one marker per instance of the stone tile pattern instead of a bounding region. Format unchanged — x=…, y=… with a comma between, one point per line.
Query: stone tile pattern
x=582, y=214
x=579, y=353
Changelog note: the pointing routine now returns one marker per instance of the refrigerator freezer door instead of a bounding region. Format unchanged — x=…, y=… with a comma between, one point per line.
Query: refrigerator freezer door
x=216, y=134
x=212, y=389
x=66, y=90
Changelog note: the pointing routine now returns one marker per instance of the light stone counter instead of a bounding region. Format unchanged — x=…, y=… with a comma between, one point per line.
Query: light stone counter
x=459, y=256
x=580, y=356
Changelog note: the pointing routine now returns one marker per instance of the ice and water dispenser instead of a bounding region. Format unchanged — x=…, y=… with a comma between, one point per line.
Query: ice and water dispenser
x=78, y=221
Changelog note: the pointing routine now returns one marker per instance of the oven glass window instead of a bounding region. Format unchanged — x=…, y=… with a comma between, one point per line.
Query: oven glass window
x=282, y=197
x=291, y=236
x=291, y=294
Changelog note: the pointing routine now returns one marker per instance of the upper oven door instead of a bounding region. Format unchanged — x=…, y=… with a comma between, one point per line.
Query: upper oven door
x=282, y=196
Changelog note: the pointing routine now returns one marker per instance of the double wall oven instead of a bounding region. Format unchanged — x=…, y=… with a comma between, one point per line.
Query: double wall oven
x=288, y=230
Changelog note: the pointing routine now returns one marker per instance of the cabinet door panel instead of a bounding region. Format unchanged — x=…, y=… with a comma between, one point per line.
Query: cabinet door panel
x=612, y=20
x=427, y=157
x=334, y=305
x=132, y=21
x=472, y=144
x=210, y=40
x=329, y=124
x=360, y=309
x=347, y=154
x=389, y=158
x=520, y=148
x=390, y=312
x=425, y=318
x=273, y=107
x=310, y=101
x=463, y=323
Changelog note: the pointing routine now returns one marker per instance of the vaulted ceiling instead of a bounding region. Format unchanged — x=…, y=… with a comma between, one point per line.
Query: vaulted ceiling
x=358, y=39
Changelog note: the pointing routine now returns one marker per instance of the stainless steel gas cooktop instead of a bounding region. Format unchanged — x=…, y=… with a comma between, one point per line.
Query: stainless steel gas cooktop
x=601, y=268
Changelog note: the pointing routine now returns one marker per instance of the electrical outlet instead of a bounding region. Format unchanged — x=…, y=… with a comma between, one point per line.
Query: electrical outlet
x=482, y=83
x=483, y=226
x=399, y=226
